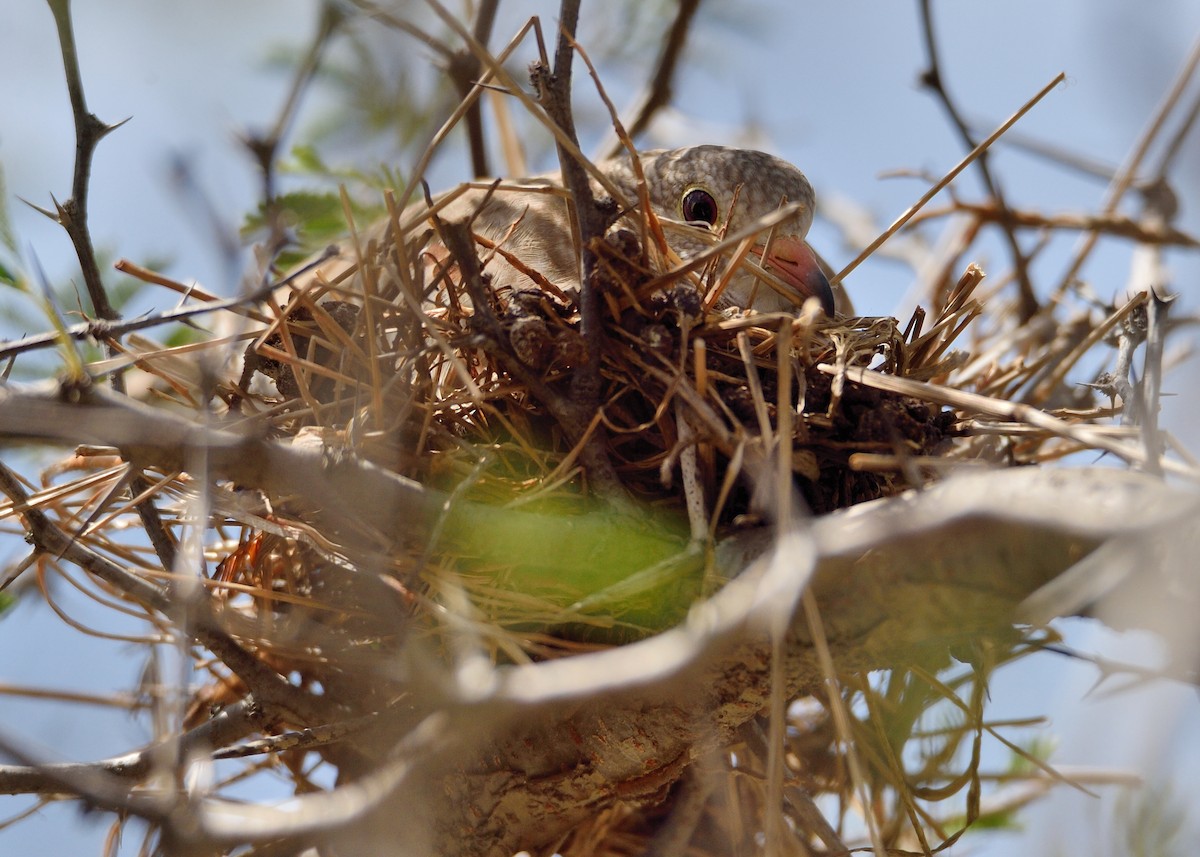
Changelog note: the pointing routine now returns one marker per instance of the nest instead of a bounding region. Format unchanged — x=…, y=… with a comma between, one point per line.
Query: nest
x=391, y=353
x=397, y=351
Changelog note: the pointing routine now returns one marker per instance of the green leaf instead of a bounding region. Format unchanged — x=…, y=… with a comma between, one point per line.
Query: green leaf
x=317, y=217
x=634, y=574
x=7, y=238
x=8, y=278
x=306, y=159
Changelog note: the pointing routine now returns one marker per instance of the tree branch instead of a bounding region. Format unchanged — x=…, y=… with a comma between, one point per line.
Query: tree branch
x=89, y=131
x=281, y=700
x=932, y=79
x=465, y=69
x=661, y=89
x=593, y=219
x=73, y=216
x=233, y=723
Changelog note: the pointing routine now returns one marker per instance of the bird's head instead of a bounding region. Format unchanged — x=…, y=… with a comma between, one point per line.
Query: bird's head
x=717, y=188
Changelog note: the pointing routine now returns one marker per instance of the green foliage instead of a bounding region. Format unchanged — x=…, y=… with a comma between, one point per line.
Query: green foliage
x=316, y=218
x=379, y=94
x=305, y=160
x=1040, y=747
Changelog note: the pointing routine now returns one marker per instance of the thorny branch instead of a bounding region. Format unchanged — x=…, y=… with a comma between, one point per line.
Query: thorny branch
x=73, y=216
x=89, y=131
x=233, y=723
x=117, y=329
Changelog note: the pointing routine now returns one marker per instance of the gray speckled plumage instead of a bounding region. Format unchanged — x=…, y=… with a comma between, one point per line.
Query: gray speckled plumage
x=529, y=219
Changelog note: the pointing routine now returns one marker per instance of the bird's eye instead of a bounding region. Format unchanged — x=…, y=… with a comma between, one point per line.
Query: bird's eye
x=699, y=206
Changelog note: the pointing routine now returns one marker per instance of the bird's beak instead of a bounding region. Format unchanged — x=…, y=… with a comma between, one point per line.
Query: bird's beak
x=793, y=261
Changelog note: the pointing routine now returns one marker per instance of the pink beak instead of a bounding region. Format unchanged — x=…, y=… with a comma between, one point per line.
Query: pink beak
x=792, y=260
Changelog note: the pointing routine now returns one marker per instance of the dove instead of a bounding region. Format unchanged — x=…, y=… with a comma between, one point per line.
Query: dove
x=525, y=225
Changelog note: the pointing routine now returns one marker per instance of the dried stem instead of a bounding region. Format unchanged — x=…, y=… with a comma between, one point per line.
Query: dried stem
x=1127, y=176
x=116, y=330
x=281, y=701
x=900, y=221
x=593, y=218
x=1143, y=230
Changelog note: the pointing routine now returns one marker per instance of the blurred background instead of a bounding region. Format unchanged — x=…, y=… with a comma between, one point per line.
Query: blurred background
x=830, y=85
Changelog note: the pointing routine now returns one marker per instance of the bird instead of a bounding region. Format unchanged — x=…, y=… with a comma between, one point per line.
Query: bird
x=527, y=222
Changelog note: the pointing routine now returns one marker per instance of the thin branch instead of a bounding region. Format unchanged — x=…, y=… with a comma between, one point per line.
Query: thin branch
x=152, y=437
x=280, y=699
x=234, y=722
x=265, y=147
x=592, y=218
x=50, y=539
x=554, y=94
x=661, y=88
x=977, y=403
x=466, y=104
x=89, y=131
x=1174, y=148
x=73, y=215
x=465, y=69
x=511, y=87
x=932, y=78
x=384, y=15
x=1143, y=231
x=116, y=330
x=1127, y=177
